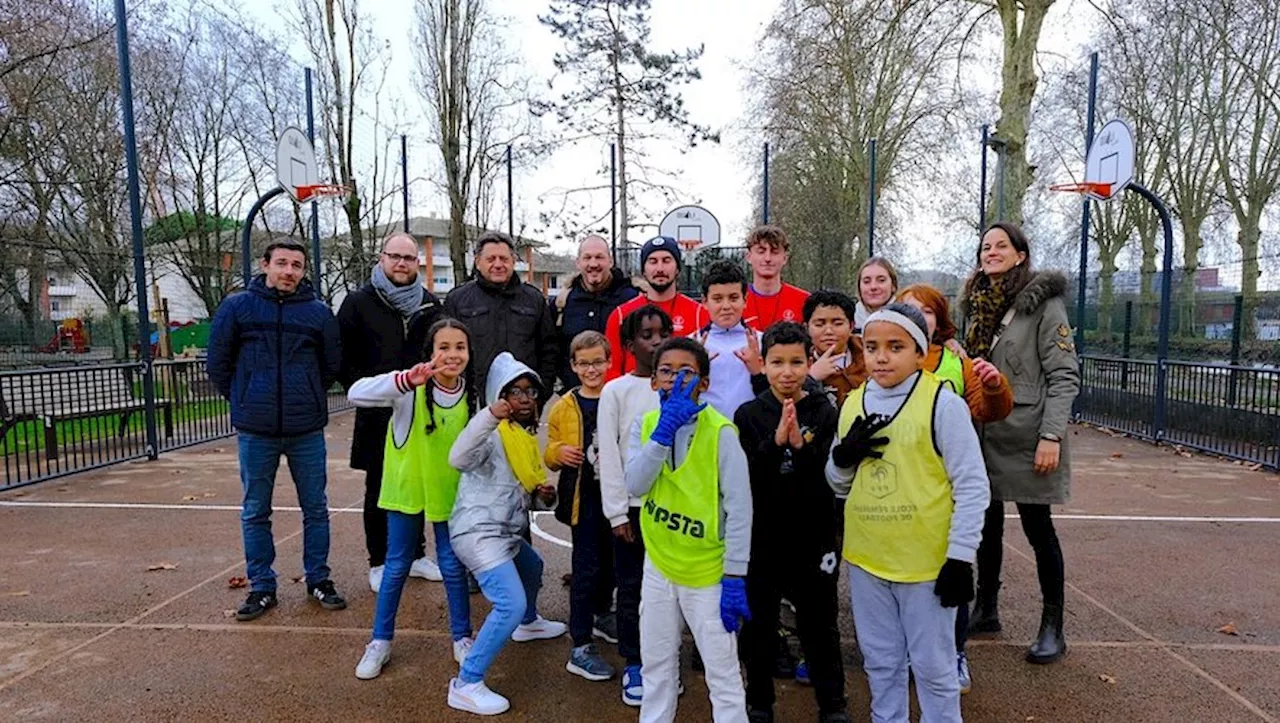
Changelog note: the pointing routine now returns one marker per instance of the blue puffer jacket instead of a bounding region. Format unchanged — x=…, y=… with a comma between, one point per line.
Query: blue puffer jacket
x=275, y=357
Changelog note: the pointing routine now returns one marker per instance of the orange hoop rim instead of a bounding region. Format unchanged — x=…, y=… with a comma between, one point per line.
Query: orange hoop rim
x=1092, y=188
x=320, y=190
x=689, y=245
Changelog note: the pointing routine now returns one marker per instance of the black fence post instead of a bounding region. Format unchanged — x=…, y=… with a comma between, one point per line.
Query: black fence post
x=1124, y=354
x=315, y=207
x=135, y=228
x=1237, y=324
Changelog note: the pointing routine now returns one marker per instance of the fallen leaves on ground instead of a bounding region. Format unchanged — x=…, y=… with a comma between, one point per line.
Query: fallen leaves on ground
x=1117, y=455
x=299, y=578
x=237, y=582
x=18, y=593
x=162, y=566
x=1107, y=678
x=1229, y=629
x=228, y=613
x=189, y=498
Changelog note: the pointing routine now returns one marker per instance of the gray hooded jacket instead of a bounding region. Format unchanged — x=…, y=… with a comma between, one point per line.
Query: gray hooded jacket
x=491, y=512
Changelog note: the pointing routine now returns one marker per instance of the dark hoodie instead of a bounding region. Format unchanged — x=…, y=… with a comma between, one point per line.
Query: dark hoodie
x=576, y=310
x=792, y=501
x=512, y=317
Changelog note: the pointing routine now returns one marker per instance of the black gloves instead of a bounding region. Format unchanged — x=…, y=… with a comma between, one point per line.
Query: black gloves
x=955, y=583
x=860, y=441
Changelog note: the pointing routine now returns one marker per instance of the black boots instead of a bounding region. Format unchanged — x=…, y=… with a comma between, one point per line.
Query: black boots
x=986, y=612
x=1049, y=646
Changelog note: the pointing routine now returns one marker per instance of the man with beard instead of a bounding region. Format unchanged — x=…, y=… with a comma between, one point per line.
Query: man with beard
x=596, y=290
x=660, y=261
x=384, y=324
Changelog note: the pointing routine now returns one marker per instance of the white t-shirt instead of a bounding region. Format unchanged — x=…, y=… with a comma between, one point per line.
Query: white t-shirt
x=622, y=401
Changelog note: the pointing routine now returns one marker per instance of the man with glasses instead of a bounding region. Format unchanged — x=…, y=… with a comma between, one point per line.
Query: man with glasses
x=274, y=349
x=384, y=326
x=595, y=291
x=504, y=314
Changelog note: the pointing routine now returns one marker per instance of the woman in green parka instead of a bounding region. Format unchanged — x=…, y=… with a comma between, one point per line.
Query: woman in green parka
x=1017, y=319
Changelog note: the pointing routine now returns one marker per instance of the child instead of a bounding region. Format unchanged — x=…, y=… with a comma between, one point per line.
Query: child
x=431, y=403
x=837, y=352
x=917, y=496
x=786, y=434
x=572, y=451
x=623, y=401
x=733, y=346
x=687, y=466
x=501, y=467
x=984, y=389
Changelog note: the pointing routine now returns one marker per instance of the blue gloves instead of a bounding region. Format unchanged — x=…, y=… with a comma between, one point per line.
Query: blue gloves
x=733, y=603
x=677, y=409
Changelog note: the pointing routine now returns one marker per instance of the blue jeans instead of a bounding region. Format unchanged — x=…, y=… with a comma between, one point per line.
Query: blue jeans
x=259, y=460
x=403, y=533
x=512, y=588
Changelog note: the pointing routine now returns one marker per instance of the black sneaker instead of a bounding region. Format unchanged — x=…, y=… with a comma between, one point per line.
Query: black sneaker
x=605, y=627
x=760, y=715
x=328, y=598
x=256, y=605
x=835, y=716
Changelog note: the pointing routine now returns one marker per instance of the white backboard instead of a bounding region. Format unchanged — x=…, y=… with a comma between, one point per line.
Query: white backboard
x=690, y=224
x=295, y=161
x=1111, y=158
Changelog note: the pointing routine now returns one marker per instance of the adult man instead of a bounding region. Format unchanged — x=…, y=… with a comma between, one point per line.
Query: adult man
x=660, y=261
x=504, y=314
x=596, y=290
x=274, y=350
x=769, y=300
x=384, y=325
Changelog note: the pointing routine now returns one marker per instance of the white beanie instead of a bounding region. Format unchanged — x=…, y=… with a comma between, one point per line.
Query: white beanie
x=904, y=316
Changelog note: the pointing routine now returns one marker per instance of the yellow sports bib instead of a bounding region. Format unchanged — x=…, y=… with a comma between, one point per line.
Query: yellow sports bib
x=951, y=370
x=898, y=515
x=680, y=519
x=416, y=477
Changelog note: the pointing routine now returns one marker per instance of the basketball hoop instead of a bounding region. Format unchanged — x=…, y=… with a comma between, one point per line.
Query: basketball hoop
x=689, y=244
x=317, y=191
x=1098, y=191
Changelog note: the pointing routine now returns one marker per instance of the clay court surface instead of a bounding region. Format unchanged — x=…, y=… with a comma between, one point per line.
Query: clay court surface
x=1164, y=553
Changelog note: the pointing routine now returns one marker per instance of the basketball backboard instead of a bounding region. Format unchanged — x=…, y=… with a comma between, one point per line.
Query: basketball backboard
x=1111, y=159
x=295, y=162
x=691, y=226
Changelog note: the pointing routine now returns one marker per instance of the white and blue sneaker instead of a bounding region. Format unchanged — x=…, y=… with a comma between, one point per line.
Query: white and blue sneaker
x=632, y=686
x=585, y=661
x=539, y=629
x=962, y=671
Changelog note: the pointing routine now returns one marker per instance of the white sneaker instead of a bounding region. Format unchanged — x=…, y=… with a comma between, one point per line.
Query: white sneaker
x=539, y=629
x=476, y=698
x=425, y=568
x=375, y=578
x=461, y=647
x=376, y=655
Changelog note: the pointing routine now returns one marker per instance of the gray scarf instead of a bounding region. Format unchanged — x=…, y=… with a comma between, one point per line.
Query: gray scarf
x=406, y=299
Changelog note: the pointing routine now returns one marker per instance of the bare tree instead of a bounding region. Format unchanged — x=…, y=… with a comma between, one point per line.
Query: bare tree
x=470, y=85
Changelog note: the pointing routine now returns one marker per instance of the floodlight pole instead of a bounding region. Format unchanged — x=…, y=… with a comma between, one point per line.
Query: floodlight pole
x=404, y=178
x=1084, y=220
x=315, y=208
x=135, y=228
x=871, y=202
x=613, y=199
x=766, y=182
x=982, y=185
x=1166, y=295
x=511, y=207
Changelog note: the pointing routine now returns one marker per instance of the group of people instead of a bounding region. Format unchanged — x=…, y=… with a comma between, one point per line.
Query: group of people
x=715, y=460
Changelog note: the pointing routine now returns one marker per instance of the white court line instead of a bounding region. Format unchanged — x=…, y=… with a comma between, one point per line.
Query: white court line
x=236, y=508
x=542, y=534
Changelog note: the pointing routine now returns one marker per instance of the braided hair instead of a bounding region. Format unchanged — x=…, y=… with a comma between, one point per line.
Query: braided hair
x=468, y=374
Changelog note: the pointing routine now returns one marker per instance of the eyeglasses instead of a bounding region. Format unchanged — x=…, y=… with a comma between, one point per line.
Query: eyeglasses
x=531, y=394
x=400, y=258
x=666, y=373
x=598, y=365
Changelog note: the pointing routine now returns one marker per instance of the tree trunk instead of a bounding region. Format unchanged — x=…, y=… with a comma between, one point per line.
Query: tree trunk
x=1185, y=304
x=1106, y=294
x=1018, y=89
x=1147, y=281
x=1248, y=239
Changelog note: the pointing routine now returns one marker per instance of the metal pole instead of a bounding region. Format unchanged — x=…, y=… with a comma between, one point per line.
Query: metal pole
x=404, y=178
x=766, y=182
x=315, y=208
x=1128, y=329
x=871, y=203
x=1084, y=219
x=1166, y=295
x=613, y=199
x=1000, y=167
x=511, y=205
x=135, y=228
x=1237, y=324
x=982, y=190
x=246, y=245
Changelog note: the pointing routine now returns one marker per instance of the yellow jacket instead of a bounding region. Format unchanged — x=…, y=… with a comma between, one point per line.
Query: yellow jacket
x=564, y=428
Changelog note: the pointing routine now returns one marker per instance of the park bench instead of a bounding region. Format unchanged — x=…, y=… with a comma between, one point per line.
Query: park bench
x=55, y=396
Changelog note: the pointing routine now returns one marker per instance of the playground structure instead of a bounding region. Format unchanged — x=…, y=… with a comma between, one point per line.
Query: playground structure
x=70, y=337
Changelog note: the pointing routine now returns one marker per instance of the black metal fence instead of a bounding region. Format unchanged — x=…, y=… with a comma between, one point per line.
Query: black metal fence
x=55, y=422
x=1229, y=410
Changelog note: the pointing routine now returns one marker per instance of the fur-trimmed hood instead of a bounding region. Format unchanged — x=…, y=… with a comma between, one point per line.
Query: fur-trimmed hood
x=1044, y=285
